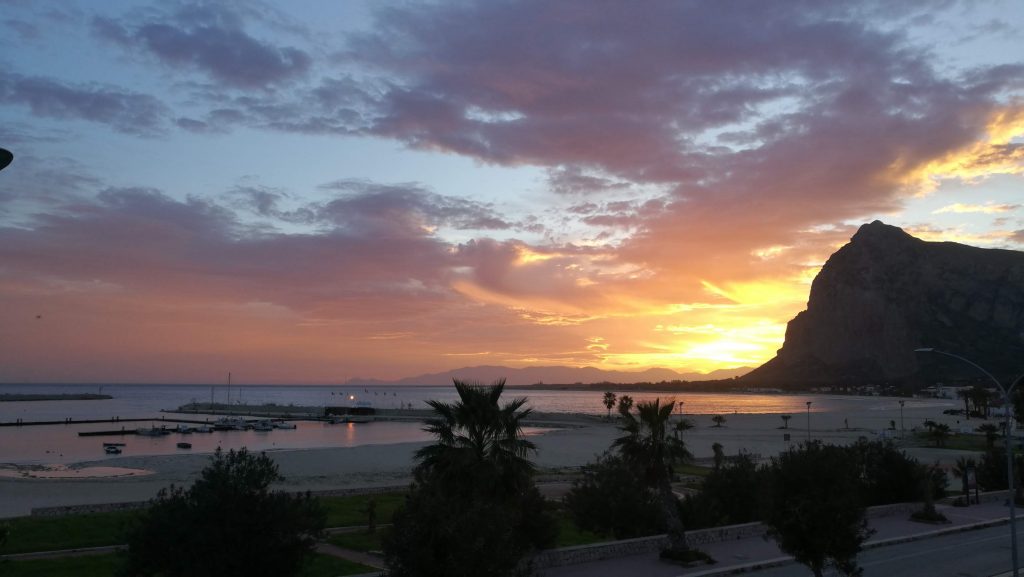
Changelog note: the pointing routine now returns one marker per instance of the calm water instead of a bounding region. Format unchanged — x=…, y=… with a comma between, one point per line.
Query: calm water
x=61, y=443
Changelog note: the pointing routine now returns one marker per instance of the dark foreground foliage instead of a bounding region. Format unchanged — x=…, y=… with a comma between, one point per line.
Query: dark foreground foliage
x=473, y=509
x=816, y=511
x=227, y=523
x=607, y=500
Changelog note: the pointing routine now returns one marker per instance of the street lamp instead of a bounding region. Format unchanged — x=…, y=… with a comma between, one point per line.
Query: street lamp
x=902, y=433
x=808, y=421
x=1009, y=450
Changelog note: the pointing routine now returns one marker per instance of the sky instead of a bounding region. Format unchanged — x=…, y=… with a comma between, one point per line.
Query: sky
x=312, y=191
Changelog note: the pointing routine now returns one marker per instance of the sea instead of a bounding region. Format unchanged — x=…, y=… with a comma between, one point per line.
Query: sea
x=61, y=444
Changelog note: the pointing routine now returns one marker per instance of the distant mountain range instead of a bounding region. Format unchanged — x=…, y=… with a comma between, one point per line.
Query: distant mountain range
x=550, y=375
x=885, y=294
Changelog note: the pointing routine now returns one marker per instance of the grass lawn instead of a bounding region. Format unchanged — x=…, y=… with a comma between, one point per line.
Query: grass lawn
x=691, y=469
x=569, y=535
x=29, y=534
x=358, y=540
x=960, y=441
x=84, y=566
x=107, y=566
x=352, y=510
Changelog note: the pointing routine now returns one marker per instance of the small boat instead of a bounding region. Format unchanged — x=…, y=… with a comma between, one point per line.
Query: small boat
x=283, y=425
x=204, y=429
x=112, y=450
x=152, y=432
x=184, y=445
x=184, y=429
x=229, y=424
x=263, y=426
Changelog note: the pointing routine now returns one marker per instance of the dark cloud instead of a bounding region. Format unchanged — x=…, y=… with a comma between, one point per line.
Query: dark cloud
x=403, y=210
x=123, y=110
x=146, y=242
x=762, y=120
x=210, y=38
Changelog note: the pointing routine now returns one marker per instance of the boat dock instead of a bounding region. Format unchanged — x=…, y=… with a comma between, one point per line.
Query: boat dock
x=71, y=421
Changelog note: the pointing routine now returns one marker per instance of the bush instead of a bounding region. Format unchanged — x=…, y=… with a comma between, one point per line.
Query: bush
x=610, y=499
x=890, y=476
x=733, y=494
x=445, y=533
x=227, y=523
x=816, y=512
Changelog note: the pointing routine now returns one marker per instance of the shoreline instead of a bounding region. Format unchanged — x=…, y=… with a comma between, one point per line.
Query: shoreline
x=572, y=441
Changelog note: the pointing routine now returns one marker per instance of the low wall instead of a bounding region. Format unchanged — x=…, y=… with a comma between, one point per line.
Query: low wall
x=696, y=538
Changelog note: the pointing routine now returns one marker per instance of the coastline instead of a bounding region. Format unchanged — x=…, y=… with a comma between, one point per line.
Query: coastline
x=572, y=440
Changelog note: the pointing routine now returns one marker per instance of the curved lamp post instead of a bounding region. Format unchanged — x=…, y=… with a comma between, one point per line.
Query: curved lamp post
x=1009, y=449
x=808, y=421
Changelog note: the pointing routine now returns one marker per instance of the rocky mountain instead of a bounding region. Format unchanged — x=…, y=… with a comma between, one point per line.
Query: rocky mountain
x=551, y=375
x=887, y=293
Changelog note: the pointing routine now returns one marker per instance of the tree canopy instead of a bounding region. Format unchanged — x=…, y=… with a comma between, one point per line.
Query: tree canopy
x=228, y=522
x=816, y=511
x=473, y=508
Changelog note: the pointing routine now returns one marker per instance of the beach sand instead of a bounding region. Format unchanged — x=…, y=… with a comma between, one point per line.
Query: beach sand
x=576, y=441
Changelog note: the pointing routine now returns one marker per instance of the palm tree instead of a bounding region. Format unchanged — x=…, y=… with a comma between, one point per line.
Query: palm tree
x=609, y=402
x=651, y=450
x=479, y=435
x=965, y=395
x=960, y=472
x=991, y=432
x=785, y=421
x=625, y=404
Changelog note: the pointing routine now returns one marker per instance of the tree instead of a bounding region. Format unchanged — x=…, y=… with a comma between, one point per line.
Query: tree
x=473, y=508
x=991, y=434
x=718, y=420
x=785, y=421
x=939, y=433
x=651, y=451
x=609, y=402
x=734, y=493
x=227, y=523
x=719, y=454
x=980, y=398
x=609, y=499
x=966, y=396
x=889, y=475
x=963, y=464
x=625, y=404
x=816, y=512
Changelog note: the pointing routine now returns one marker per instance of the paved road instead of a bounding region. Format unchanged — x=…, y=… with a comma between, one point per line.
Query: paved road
x=981, y=553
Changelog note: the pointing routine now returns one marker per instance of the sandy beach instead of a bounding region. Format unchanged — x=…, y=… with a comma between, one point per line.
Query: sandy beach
x=573, y=441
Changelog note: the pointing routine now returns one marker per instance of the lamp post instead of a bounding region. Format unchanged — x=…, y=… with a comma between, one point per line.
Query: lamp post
x=808, y=421
x=1009, y=449
x=901, y=420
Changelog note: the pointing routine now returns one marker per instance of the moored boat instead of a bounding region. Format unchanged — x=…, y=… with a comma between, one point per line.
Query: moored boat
x=112, y=450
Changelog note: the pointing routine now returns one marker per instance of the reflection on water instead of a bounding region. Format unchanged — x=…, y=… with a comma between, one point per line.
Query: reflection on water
x=62, y=444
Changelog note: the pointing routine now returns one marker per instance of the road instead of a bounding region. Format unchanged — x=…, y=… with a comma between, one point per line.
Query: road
x=981, y=553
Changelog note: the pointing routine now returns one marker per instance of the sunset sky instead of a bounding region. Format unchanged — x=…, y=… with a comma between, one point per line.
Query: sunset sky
x=311, y=191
